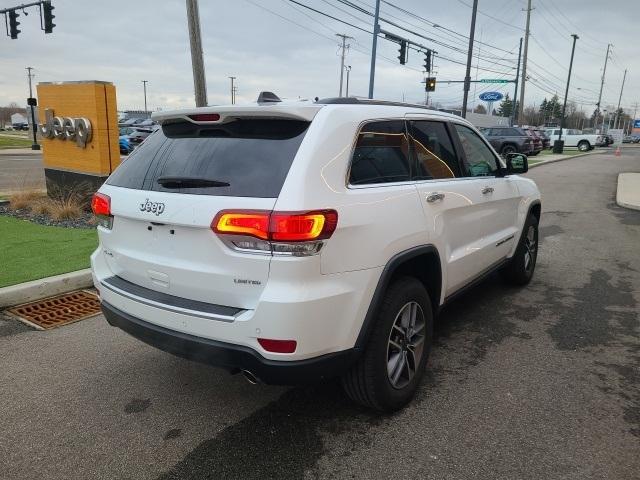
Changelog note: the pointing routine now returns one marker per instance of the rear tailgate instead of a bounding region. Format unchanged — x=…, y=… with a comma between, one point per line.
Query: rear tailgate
x=161, y=237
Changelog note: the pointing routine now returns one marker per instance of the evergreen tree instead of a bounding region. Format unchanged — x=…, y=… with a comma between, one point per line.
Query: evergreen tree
x=505, y=109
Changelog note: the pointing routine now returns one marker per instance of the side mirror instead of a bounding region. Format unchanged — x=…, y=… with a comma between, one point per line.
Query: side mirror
x=517, y=163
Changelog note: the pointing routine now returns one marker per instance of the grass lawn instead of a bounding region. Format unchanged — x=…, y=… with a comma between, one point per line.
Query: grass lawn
x=29, y=251
x=14, y=142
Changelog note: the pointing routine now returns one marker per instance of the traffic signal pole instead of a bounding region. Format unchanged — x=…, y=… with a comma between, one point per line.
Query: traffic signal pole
x=34, y=127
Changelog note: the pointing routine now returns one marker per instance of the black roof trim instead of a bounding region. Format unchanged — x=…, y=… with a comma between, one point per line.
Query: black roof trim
x=366, y=101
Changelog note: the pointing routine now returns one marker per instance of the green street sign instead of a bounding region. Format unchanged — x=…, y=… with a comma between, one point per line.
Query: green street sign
x=493, y=80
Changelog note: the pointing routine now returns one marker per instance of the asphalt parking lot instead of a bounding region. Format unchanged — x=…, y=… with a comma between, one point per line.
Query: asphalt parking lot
x=535, y=383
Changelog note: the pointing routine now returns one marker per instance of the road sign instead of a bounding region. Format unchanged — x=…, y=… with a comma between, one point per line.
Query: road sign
x=493, y=80
x=491, y=96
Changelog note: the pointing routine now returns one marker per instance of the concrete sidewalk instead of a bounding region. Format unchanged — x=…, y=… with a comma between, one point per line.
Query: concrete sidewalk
x=628, y=194
x=19, y=151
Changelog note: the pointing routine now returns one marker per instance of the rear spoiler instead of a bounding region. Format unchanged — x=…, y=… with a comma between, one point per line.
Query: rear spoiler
x=228, y=113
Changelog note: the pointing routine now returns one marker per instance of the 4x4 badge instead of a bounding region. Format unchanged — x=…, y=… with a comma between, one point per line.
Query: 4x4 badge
x=153, y=207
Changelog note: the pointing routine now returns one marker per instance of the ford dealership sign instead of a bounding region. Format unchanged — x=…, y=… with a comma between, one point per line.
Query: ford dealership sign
x=491, y=96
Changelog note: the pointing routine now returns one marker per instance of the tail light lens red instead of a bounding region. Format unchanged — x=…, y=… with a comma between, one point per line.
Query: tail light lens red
x=101, y=208
x=278, y=346
x=101, y=204
x=277, y=226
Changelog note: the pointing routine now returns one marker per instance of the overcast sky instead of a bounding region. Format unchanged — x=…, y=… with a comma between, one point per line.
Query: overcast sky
x=280, y=46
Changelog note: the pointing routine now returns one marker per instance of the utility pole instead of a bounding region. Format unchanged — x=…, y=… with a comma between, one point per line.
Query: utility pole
x=524, y=64
x=348, y=67
x=514, y=109
x=604, y=72
x=32, y=107
x=467, y=77
x=615, y=123
x=233, y=91
x=144, y=86
x=376, y=30
x=559, y=144
x=197, y=61
x=344, y=51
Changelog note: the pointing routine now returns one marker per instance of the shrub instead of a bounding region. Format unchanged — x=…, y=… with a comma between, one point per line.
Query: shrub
x=66, y=208
x=25, y=199
x=42, y=207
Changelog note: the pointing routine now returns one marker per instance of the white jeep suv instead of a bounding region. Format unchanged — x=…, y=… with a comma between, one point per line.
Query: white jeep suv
x=301, y=241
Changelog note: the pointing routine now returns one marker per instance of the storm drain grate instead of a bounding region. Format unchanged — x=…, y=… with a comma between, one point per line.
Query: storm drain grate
x=60, y=310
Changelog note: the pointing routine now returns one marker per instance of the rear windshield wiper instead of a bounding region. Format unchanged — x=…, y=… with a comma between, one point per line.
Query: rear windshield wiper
x=190, y=182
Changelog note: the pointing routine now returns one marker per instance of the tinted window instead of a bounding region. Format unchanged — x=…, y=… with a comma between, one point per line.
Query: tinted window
x=433, y=150
x=252, y=156
x=479, y=159
x=381, y=154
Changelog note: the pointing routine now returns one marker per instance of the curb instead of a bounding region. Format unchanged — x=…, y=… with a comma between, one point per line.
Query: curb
x=45, y=287
x=545, y=162
x=625, y=191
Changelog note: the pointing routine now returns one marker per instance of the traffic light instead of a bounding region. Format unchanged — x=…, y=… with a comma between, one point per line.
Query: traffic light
x=427, y=61
x=13, y=24
x=403, y=52
x=47, y=12
x=430, y=84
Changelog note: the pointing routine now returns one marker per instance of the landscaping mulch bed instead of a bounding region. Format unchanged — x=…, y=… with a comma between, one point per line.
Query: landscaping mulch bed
x=84, y=221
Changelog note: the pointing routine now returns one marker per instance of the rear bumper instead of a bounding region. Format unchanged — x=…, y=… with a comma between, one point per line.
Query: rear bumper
x=232, y=357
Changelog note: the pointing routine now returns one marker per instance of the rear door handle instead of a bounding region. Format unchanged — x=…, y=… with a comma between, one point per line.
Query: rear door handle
x=434, y=197
x=487, y=190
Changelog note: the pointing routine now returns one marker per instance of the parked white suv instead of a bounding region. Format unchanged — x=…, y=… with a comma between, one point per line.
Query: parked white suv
x=295, y=242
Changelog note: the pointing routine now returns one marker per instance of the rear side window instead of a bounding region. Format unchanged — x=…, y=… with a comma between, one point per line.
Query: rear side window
x=433, y=149
x=381, y=154
x=252, y=156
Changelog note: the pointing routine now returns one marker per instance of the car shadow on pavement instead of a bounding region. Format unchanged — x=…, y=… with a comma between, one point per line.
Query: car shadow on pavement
x=284, y=439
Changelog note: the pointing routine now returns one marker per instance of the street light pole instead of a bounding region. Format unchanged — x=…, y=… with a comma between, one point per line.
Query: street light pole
x=376, y=30
x=144, y=86
x=34, y=127
x=467, y=77
x=559, y=144
x=197, y=61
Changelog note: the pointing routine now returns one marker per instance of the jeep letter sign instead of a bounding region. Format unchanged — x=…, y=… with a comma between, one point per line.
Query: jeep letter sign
x=66, y=128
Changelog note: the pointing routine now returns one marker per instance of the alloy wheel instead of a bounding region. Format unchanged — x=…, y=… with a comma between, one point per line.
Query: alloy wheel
x=531, y=246
x=406, y=345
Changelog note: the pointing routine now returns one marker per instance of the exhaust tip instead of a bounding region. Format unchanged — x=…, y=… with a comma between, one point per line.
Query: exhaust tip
x=250, y=377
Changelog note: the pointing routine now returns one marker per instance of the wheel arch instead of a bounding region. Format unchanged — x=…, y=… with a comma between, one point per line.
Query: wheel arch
x=421, y=262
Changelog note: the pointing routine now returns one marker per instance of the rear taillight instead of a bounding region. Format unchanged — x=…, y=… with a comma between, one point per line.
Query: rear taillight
x=287, y=233
x=101, y=208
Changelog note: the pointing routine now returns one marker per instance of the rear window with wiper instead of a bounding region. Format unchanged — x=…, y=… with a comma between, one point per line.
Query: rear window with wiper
x=243, y=158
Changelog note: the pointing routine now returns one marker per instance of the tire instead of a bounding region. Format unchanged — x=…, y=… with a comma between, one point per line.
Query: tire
x=369, y=382
x=508, y=149
x=584, y=146
x=520, y=269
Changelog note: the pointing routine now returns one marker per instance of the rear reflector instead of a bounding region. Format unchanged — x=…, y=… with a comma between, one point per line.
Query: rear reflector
x=277, y=226
x=205, y=117
x=101, y=204
x=278, y=346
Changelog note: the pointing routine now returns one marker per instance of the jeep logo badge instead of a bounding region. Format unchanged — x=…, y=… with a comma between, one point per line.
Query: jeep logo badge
x=66, y=128
x=152, y=207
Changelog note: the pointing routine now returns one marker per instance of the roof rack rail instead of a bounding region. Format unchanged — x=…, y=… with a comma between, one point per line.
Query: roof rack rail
x=366, y=101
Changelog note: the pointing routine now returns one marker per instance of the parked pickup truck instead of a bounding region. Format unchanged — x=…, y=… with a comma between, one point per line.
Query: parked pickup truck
x=575, y=138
